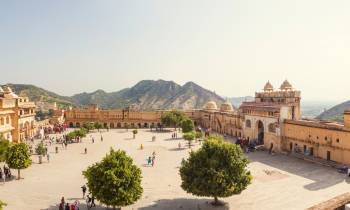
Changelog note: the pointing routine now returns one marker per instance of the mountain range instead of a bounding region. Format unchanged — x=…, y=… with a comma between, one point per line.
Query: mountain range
x=335, y=113
x=145, y=95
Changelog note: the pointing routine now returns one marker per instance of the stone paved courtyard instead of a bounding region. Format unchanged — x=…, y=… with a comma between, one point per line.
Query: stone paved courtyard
x=280, y=182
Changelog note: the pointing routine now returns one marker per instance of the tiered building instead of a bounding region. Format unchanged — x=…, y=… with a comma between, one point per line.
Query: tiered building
x=273, y=119
x=17, y=116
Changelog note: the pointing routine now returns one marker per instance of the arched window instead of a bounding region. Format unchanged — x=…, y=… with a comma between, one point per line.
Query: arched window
x=272, y=128
x=2, y=121
x=248, y=124
x=7, y=120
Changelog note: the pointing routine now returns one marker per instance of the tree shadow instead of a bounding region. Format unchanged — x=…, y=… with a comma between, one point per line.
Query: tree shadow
x=184, y=204
x=173, y=139
x=177, y=149
x=322, y=176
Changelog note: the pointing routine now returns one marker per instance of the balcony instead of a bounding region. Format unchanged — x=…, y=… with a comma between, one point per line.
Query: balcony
x=7, y=103
x=26, y=104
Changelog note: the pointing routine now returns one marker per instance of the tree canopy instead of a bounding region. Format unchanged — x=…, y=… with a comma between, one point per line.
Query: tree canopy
x=190, y=136
x=187, y=125
x=115, y=181
x=18, y=157
x=217, y=169
x=172, y=118
x=4, y=145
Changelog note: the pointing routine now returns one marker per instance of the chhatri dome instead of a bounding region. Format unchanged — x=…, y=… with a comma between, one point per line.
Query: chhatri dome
x=226, y=107
x=286, y=85
x=211, y=105
x=268, y=86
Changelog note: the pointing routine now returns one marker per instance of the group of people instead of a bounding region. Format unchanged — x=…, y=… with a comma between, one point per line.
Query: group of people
x=246, y=145
x=174, y=135
x=5, y=174
x=151, y=159
x=66, y=206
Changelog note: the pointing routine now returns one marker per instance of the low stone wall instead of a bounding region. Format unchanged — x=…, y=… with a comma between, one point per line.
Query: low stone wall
x=336, y=203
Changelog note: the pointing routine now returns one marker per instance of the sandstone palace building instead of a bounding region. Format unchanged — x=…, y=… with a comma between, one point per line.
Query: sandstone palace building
x=17, y=116
x=273, y=119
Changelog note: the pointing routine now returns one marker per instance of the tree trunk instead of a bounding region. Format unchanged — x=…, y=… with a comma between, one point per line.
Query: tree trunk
x=18, y=174
x=216, y=200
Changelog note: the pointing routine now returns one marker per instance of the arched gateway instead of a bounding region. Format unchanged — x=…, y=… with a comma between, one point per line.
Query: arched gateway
x=260, y=129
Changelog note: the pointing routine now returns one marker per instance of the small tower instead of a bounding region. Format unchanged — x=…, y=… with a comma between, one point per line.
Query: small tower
x=268, y=87
x=347, y=118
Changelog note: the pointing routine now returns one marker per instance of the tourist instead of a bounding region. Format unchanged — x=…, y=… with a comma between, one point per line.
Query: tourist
x=149, y=161
x=83, y=188
x=76, y=205
x=93, y=201
x=93, y=140
x=85, y=150
x=72, y=207
x=48, y=157
x=101, y=138
x=88, y=200
x=153, y=159
x=348, y=172
x=67, y=207
x=61, y=206
x=1, y=174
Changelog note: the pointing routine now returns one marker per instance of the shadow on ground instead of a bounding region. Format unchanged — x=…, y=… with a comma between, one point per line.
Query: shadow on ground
x=184, y=204
x=322, y=176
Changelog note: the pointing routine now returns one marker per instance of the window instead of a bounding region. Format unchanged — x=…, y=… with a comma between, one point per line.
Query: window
x=272, y=128
x=7, y=120
x=337, y=140
x=248, y=124
x=2, y=121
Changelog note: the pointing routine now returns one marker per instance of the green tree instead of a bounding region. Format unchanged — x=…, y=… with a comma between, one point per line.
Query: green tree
x=134, y=132
x=115, y=181
x=199, y=135
x=172, y=118
x=217, y=169
x=18, y=157
x=2, y=205
x=187, y=125
x=127, y=126
x=4, y=146
x=40, y=151
x=189, y=137
x=98, y=126
x=151, y=126
x=88, y=126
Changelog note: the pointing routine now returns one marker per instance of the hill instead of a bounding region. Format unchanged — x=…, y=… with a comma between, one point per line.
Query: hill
x=150, y=95
x=145, y=95
x=335, y=113
x=42, y=97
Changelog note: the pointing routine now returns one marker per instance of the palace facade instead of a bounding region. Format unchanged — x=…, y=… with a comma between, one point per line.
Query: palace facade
x=273, y=119
x=17, y=116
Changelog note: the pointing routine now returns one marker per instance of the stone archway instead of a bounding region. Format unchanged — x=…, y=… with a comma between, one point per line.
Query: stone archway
x=260, y=132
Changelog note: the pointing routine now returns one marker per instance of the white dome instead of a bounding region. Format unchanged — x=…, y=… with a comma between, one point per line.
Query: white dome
x=211, y=105
x=226, y=107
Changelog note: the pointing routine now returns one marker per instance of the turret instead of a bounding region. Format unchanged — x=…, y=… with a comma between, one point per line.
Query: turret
x=347, y=118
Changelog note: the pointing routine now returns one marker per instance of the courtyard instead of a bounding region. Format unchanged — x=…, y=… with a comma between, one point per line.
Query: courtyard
x=279, y=181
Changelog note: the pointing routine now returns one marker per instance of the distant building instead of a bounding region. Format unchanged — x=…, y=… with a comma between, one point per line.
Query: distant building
x=273, y=119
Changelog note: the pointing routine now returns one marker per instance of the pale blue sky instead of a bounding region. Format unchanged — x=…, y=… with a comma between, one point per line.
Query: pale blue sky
x=232, y=47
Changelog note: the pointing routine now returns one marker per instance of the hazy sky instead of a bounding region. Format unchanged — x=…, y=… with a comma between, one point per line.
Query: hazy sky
x=232, y=47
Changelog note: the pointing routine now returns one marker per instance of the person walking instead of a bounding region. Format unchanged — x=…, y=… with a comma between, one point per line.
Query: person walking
x=48, y=157
x=93, y=201
x=85, y=150
x=83, y=188
x=67, y=207
x=153, y=159
x=101, y=138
